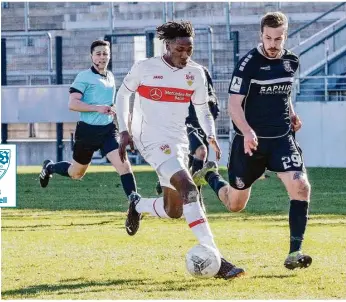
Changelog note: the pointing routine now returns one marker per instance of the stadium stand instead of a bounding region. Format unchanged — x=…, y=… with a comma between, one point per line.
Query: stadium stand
x=79, y=23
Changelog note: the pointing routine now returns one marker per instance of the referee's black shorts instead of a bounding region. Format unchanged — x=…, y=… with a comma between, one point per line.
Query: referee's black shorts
x=90, y=138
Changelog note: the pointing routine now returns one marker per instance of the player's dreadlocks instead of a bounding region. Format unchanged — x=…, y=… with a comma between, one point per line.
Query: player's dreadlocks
x=172, y=30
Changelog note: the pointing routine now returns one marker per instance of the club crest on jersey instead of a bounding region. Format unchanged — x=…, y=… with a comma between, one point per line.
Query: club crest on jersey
x=5, y=155
x=166, y=149
x=189, y=78
x=239, y=182
x=287, y=66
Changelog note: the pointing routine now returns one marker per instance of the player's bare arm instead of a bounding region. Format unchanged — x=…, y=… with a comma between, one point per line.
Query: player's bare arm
x=76, y=104
x=236, y=112
x=215, y=145
x=296, y=123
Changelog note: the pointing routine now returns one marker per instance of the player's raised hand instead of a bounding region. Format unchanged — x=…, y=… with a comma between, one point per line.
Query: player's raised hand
x=215, y=145
x=125, y=140
x=296, y=123
x=250, y=142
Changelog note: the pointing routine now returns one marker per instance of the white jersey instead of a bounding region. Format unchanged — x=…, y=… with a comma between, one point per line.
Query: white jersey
x=163, y=95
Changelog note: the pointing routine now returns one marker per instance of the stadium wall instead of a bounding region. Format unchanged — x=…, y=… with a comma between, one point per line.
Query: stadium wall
x=322, y=137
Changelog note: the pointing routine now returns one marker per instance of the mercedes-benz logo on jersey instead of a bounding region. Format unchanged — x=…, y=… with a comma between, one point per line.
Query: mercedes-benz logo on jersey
x=155, y=94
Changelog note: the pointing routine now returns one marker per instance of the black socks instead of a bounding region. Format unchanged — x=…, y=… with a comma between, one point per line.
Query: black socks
x=60, y=168
x=298, y=217
x=129, y=183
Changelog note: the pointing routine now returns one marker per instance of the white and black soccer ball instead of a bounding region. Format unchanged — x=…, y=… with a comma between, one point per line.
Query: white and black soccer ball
x=203, y=261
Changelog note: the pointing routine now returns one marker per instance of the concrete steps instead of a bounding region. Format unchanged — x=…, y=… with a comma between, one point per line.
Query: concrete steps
x=76, y=42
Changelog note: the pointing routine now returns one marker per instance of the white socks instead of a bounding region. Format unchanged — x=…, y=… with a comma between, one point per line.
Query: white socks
x=198, y=223
x=154, y=206
x=192, y=212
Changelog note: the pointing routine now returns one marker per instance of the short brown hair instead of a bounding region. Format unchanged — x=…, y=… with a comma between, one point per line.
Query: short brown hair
x=98, y=43
x=274, y=19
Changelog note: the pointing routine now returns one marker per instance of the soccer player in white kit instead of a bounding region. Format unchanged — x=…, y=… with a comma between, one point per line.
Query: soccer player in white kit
x=164, y=87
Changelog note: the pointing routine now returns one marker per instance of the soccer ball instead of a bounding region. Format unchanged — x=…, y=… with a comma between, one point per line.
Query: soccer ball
x=203, y=261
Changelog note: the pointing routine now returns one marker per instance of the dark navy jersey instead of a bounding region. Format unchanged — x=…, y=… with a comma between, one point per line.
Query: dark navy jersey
x=212, y=102
x=266, y=85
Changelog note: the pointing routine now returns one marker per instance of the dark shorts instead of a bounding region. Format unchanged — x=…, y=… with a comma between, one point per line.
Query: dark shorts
x=90, y=138
x=196, y=137
x=275, y=154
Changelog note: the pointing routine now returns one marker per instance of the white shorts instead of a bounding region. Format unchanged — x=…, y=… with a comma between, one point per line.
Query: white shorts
x=167, y=158
x=167, y=169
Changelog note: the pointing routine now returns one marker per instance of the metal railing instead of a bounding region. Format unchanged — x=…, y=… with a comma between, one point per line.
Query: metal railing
x=324, y=33
x=222, y=123
x=321, y=49
x=298, y=31
x=321, y=88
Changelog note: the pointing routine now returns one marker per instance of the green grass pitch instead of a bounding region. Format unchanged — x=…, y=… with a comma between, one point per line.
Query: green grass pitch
x=68, y=242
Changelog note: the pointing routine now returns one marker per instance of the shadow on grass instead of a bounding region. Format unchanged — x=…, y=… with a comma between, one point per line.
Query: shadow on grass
x=65, y=225
x=103, y=192
x=273, y=276
x=74, y=286
x=67, y=285
x=39, y=227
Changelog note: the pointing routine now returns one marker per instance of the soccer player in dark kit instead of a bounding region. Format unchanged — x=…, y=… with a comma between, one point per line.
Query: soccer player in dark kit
x=265, y=122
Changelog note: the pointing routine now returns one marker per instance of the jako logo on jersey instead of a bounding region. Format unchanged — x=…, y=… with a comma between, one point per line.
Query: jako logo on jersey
x=276, y=89
x=239, y=182
x=5, y=155
x=160, y=77
x=236, y=84
x=166, y=149
x=287, y=66
x=190, y=78
x=155, y=94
